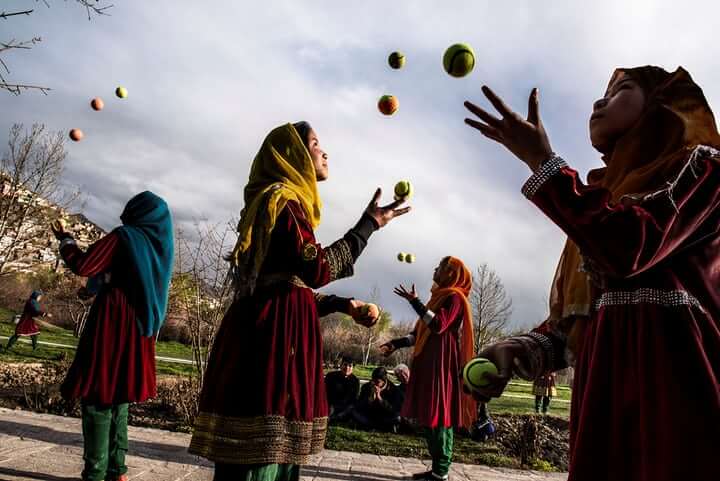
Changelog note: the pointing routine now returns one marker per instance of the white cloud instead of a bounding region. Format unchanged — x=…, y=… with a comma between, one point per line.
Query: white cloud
x=207, y=83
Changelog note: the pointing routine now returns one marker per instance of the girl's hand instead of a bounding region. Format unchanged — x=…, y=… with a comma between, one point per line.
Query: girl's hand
x=365, y=316
x=387, y=349
x=384, y=214
x=503, y=354
x=404, y=293
x=526, y=138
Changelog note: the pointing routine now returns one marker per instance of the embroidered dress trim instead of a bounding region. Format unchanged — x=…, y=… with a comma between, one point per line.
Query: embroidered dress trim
x=543, y=174
x=546, y=346
x=257, y=440
x=340, y=258
x=648, y=296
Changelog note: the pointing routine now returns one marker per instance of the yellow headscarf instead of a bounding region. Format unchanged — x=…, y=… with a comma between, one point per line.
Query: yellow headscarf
x=282, y=171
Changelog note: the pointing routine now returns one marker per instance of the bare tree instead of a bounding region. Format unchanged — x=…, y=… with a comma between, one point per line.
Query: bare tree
x=371, y=336
x=91, y=7
x=30, y=181
x=201, y=290
x=491, y=306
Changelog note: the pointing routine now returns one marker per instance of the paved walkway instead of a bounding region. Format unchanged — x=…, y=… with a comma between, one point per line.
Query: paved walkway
x=41, y=447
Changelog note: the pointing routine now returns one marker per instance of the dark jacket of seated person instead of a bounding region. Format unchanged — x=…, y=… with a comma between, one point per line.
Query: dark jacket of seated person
x=379, y=404
x=342, y=388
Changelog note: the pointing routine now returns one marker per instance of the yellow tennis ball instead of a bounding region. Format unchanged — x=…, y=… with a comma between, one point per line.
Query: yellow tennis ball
x=403, y=190
x=121, y=92
x=410, y=258
x=474, y=373
x=459, y=60
x=401, y=257
x=396, y=60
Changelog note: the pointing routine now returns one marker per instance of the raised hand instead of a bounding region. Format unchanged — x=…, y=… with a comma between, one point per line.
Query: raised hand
x=383, y=215
x=503, y=354
x=404, y=293
x=58, y=229
x=387, y=349
x=526, y=138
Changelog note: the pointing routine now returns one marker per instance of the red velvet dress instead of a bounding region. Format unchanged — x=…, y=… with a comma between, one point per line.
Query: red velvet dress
x=264, y=399
x=113, y=364
x=434, y=392
x=646, y=395
x=27, y=325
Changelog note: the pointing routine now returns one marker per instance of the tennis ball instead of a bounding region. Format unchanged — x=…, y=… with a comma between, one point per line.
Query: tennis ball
x=97, y=103
x=76, y=135
x=403, y=190
x=410, y=258
x=121, y=92
x=370, y=310
x=388, y=104
x=474, y=373
x=396, y=60
x=401, y=257
x=459, y=60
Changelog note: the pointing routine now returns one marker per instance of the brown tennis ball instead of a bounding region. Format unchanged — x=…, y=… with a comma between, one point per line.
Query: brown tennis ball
x=97, y=103
x=76, y=135
x=388, y=104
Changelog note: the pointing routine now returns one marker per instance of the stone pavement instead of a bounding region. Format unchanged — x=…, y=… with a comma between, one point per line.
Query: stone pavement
x=42, y=447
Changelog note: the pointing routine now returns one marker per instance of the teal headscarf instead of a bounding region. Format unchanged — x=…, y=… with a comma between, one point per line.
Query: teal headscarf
x=147, y=234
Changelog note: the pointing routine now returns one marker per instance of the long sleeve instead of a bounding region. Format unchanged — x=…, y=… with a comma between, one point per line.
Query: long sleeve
x=439, y=321
x=314, y=264
x=97, y=259
x=329, y=304
x=624, y=240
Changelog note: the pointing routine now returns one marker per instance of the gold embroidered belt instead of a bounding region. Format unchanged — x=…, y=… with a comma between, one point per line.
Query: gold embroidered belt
x=281, y=277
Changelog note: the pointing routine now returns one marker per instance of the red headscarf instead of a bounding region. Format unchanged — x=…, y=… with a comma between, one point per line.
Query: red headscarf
x=456, y=280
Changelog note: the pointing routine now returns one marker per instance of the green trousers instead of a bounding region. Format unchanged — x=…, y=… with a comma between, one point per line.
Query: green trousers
x=256, y=472
x=105, y=441
x=440, y=444
x=13, y=339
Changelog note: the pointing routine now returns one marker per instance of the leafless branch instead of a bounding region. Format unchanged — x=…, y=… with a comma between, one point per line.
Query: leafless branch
x=5, y=15
x=27, y=44
x=91, y=8
x=17, y=88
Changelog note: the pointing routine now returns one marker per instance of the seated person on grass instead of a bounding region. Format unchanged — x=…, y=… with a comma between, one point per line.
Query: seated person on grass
x=342, y=389
x=379, y=404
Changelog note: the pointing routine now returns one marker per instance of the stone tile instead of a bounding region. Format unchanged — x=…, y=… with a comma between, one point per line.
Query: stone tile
x=41, y=446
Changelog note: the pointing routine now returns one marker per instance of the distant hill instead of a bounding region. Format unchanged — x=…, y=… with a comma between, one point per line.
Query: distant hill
x=36, y=246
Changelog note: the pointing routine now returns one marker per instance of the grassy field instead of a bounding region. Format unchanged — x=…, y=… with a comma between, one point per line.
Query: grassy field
x=509, y=403
x=22, y=352
x=465, y=450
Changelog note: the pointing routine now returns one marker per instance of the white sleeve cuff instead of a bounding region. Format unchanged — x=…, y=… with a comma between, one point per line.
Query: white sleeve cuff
x=545, y=172
x=428, y=317
x=411, y=339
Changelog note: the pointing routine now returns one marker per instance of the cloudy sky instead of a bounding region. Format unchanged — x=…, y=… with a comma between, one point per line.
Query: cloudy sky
x=208, y=80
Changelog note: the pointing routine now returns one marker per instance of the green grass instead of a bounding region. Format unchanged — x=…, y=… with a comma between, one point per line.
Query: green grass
x=465, y=450
x=22, y=352
x=505, y=404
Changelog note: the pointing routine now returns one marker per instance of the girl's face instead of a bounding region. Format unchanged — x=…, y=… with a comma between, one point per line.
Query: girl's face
x=319, y=157
x=440, y=271
x=616, y=113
